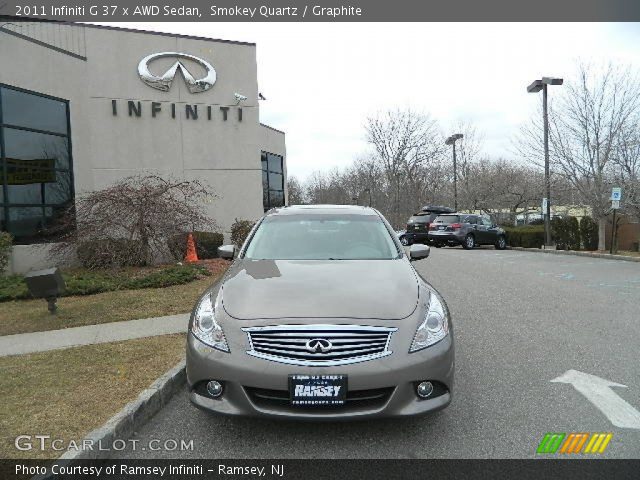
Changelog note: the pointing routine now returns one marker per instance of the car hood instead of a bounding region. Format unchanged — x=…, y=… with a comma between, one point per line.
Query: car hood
x=366, y=289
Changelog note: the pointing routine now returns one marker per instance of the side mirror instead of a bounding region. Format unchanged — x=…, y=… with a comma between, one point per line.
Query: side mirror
x=227, y=251
x=418, y=252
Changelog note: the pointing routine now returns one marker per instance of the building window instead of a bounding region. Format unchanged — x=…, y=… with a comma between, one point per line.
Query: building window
x=272, y=181
x=36, y=179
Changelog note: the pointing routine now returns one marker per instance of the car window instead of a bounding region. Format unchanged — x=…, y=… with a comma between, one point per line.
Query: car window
x=487, y=221
x=472, y=219
x=322, y=237
x=421, y=219
x=447, y=219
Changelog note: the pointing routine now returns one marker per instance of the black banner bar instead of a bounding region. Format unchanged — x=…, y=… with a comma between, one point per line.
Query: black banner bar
x=191, y=469
x=324, y=10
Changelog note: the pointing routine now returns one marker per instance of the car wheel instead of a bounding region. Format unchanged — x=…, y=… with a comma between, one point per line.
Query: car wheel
x=469, y=242
x=501, y=244
x=438, y=245
x=404, y=241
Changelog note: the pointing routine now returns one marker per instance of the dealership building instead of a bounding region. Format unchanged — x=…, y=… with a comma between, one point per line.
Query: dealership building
x=82, y=107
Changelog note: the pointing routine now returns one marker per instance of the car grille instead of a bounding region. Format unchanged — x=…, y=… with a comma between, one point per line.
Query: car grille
x=319, y=345
x=356, y=399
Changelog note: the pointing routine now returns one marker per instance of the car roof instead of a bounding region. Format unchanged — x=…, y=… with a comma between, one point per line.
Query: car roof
x=438, y=209
x=323, y=210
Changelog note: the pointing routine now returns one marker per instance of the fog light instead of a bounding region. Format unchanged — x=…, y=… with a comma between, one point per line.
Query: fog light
x=424, y=389
x=214, y=388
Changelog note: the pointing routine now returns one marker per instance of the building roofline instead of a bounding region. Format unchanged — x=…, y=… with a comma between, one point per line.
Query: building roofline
x=271, y=128
x=41, y=43
x=123, y=29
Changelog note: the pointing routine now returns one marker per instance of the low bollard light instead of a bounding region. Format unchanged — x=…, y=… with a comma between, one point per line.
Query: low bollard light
x=47, y=284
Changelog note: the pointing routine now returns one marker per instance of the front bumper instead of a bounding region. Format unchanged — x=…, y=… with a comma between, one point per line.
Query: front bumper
x=384, y=387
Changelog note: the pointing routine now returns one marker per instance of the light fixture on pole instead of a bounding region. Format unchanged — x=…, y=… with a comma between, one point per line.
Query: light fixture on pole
x=452, y=141
x=535, y=87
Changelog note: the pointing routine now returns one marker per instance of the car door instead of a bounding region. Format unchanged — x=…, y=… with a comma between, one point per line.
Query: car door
x=471, y=222
x=489, y=231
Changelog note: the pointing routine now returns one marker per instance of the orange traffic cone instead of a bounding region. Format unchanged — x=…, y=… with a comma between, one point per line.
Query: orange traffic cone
x=191, y=256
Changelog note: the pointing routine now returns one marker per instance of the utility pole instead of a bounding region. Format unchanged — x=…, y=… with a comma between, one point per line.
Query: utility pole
x=535, y=87
x=613, y=231
x=547, y=179
x=452, y=141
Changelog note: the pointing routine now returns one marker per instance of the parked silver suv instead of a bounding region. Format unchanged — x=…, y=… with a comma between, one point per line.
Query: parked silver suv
x=466, y=230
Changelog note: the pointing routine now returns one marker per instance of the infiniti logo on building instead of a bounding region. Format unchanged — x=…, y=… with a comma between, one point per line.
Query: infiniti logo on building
x=319, y=345
x=163, y=82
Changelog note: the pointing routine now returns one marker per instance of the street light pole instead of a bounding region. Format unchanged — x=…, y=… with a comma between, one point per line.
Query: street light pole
x=455, y=179
x=452, y=141
x=547, y=180
x=535, y=87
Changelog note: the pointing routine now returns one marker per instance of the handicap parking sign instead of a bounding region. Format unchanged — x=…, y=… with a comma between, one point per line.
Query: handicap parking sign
x=616, y=194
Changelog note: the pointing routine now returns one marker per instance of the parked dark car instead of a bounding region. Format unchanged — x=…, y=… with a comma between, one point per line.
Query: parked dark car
x=418, y=225
x=466, y=230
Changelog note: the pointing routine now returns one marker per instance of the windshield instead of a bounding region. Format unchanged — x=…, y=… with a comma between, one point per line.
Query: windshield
x=322, y=237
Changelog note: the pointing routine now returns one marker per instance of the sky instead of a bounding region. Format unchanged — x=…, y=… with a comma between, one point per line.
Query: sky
x=323, y=80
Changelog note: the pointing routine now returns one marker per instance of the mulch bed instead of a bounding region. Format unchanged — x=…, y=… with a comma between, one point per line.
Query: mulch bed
x=216, y=266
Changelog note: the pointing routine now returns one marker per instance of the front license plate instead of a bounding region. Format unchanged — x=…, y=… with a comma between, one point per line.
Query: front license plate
x=317, y=390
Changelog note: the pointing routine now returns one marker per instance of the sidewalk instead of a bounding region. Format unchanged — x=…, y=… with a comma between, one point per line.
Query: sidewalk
x=104, y=333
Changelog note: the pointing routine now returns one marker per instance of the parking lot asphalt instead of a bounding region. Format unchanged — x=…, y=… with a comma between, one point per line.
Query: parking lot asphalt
x=522, y=319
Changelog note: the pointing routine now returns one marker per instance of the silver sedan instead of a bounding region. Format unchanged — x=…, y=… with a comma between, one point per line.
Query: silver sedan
x=321, y=316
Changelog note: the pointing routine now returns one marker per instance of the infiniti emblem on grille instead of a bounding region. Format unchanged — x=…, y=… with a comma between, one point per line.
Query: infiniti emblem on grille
x=318, y=345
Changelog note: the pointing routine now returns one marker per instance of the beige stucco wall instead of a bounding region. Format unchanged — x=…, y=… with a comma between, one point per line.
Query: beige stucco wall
x=107, y=147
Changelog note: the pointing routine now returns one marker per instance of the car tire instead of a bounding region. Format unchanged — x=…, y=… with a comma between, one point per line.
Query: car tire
x=405, y=241
x=469, y=242
x=501, y=244
x=437, y=245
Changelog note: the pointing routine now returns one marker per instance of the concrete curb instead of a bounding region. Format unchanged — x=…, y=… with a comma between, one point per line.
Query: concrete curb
x=132, y=416
x=608, y=256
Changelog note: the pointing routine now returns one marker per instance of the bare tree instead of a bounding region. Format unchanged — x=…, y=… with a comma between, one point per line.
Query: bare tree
x=627, y=167
x=586, y=128
x=468, y=151
x=404, y=142
x=327, y=188
x=296, y=191
x=145, y=210
x=500, y=185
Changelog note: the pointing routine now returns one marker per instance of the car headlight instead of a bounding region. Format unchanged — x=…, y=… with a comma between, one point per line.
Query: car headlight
x=205, y=327
x=434, y=327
